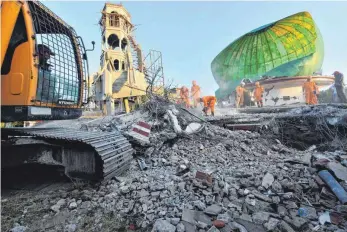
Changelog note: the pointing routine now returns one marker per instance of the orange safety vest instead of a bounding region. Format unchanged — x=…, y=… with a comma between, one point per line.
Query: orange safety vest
x=240, y=90
x=195, y=91
x=259, y=90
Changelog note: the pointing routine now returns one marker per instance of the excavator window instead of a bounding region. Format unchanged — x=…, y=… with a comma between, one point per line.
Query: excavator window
x=18, y=37
x=61, y=70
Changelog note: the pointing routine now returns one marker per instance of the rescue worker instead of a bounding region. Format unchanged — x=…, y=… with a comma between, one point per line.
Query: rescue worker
x=339, y=86
x=209, y=103
x=184, y=94
x=310, y=89
x=195, y=92
x=258, y=94
x=240, y=92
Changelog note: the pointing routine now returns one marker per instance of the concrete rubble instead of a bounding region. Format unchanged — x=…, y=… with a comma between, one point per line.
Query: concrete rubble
x=210, y=179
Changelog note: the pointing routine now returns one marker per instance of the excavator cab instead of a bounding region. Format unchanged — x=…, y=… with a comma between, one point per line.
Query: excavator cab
x=44, y=66
x=44, y=77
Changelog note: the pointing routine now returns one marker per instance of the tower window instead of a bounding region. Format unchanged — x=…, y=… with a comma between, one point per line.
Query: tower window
x=114, y=19
x=124, y=44
x=116, y=64
x=123, y=65
x=113, y=41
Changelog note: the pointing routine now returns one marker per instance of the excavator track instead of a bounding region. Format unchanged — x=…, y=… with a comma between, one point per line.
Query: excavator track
x=85, y=155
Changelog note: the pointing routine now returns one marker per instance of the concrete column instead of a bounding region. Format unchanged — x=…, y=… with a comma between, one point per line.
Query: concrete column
x=126, y=105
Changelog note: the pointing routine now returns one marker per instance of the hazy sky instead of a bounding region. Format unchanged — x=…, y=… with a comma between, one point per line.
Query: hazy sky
x=191, y=34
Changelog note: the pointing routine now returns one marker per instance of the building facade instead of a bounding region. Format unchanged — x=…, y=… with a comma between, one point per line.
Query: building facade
x=120, y=81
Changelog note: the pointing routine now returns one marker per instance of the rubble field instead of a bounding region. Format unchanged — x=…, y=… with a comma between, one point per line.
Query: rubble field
x=194, y=175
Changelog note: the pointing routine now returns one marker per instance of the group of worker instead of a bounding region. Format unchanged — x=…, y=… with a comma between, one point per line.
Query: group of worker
x=195, y=95
x=209, y=102
x=311, y=91
x=309, y=88
x=258, y=94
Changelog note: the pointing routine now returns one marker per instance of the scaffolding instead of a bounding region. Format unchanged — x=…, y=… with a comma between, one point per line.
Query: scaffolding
x=154, y=71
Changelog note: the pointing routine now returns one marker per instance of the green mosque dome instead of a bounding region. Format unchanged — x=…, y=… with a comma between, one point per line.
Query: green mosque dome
x=292, y=46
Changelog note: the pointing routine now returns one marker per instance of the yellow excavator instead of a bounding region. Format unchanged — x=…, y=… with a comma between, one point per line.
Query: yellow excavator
x=44, y=71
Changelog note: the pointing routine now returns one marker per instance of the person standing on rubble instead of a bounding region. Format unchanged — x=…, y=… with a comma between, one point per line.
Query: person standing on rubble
x=310, y=89
x=209, y=103
x=184, y=94
x=240, y=92
x=195, y=91
x=339, y=86
x=258, y=94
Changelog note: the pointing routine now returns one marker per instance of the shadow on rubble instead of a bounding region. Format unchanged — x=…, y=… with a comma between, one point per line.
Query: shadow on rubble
x=31, y=177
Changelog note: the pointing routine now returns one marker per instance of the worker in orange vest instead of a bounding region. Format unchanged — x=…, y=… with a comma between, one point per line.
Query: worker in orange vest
x=195, y=92
x=310, y=90
x=240, y=92
x=209, y=103
x=258, y=94
x=184, y=94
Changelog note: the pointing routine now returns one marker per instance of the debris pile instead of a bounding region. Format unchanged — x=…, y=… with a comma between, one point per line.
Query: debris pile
x=193, y=176
x=324, y=125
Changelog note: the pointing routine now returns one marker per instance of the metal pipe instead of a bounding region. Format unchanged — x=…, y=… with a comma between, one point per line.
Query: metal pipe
x=334, y=186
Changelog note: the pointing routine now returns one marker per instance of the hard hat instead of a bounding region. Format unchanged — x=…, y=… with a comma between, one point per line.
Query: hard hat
x=242, y=83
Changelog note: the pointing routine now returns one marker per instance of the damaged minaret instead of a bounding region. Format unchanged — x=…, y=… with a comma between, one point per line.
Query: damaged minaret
x=120, y=82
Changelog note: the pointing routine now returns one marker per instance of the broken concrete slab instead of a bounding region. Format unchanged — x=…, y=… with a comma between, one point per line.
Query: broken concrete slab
x=297, y=223
x=325, y=217
x=250, y=226
x=271, y=224
x=174, y=122
x=306, y=159
x=193, y=128
x=246, y=217
x=213, y=210
x=268, y=179
x=161, y=225
x=225, y=217
x=237, y=226
x=339, y=170
x=311, y=213
x=140, y=132
x=261, y=196
x=260, y=217
x=213, y=229
x=282, y=211
x=193, y=216
x=285, y=227
x=189, y=226
x=228, y=228
x=180, y=228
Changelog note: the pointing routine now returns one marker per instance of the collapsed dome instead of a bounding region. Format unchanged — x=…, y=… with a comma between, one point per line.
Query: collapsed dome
x=292, y=46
